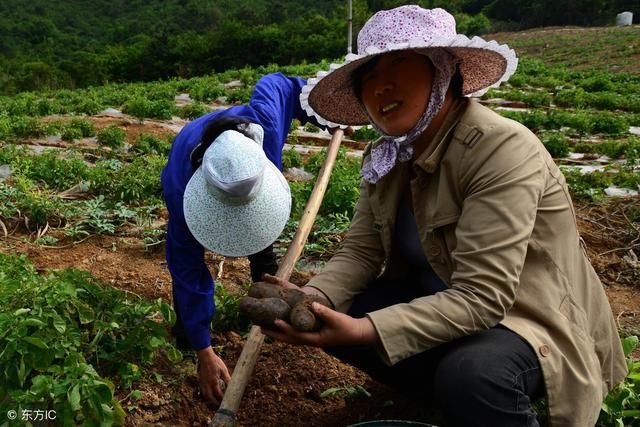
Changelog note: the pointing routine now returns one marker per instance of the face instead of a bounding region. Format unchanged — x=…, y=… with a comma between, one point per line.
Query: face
x=396, y=90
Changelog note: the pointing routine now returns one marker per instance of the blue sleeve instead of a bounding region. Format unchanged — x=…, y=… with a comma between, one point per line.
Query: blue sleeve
x=276, y=102
x=192, y=283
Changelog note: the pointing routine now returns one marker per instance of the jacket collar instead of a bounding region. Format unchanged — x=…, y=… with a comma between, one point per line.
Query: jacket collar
x=430, y=158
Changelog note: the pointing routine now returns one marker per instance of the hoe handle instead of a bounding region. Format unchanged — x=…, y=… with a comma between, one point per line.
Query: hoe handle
x=226, y=414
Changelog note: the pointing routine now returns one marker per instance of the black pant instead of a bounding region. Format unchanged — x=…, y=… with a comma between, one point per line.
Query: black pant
x=486, y=379
x=259, y=263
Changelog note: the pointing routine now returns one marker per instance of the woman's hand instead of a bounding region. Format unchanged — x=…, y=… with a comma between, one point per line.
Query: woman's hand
x=338, y=329
x=212, y=372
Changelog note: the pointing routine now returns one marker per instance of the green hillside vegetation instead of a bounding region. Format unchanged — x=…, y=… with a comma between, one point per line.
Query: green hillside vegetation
x=615, y=49
x=77, y=43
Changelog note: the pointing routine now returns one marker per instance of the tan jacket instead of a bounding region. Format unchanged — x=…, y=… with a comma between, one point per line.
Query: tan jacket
x=498, y=227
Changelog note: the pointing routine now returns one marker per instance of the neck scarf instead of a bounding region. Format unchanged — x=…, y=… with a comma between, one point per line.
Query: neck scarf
x=395, y=149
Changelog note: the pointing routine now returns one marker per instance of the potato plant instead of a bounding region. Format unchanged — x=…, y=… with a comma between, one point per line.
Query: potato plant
x=65, y=340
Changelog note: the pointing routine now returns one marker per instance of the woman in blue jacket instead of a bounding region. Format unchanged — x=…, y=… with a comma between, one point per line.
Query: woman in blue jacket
x=273, y=106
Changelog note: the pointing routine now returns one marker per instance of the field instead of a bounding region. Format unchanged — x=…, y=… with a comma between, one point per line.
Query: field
x=85, y=296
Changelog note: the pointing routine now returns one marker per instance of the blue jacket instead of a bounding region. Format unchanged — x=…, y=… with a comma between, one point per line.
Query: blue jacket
x=273, y=105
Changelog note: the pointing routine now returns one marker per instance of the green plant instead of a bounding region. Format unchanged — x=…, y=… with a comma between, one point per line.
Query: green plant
x=112, y=136
x=295, y=124
x=610, y=123
x=556, y=144
x=348, y=392
x=344, y=185
x=192, y=111
x=589, y=186
x=365, y=133
x=69, y=133
x=34, y=207
x=63, y=335
x=86, y=127
x=310, y=127
x=326, y=234
x=227, y=315
x=147, y=143
x=134, y=182
x=27, y=127
x=240, y=95
x=291, y=159
x=50, y=171
x=622, y=406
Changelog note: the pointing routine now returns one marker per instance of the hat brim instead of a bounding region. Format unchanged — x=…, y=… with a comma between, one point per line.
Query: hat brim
x=331, y=99
x=237, y=230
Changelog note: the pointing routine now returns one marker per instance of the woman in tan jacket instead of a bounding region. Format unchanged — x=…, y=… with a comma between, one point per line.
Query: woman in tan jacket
x=462, y=277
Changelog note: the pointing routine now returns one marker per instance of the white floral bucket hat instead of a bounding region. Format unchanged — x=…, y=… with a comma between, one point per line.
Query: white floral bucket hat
x=237, y=202
x=330, y=96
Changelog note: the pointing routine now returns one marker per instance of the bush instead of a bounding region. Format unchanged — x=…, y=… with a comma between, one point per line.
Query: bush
x=147, y=143
x=192, y=111
x=86, y=127
x=27, y=127
x=600, y=83
x=310, y=127
x=240, y=95
x=25, y=201
x=295, y=124
x=573, y=98
x=49, y=170
x=206, y=91
x=557, y=145
x=610, y=123
x=112, y=136
x=134, y=182
x=365, y=133
x=291, y=159
x=70, y=133
x=141, y=108
x=472, y=25
x=588, y=186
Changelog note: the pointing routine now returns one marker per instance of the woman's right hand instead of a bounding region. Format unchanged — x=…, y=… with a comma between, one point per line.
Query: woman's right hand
x=212, y=373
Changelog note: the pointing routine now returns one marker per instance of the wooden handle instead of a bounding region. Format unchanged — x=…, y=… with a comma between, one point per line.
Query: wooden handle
x=225, y=415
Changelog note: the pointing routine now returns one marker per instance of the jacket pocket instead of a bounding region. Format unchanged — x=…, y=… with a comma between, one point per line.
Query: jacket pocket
x=576, y=315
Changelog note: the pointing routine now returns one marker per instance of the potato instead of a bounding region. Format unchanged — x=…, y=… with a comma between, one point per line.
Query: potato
x=301, y=316
x=261, y=309
x=264, y=311
x=267, y=290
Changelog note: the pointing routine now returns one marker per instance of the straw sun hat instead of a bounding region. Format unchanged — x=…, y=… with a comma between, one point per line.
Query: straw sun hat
x=330, y=96
x=237, y=202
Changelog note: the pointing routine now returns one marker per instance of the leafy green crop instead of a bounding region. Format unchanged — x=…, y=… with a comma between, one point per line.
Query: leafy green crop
x=63, y=335
x=112, y=136
x=622, y=406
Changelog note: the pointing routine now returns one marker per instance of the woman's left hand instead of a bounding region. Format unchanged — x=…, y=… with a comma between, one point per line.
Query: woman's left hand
x=337, y=329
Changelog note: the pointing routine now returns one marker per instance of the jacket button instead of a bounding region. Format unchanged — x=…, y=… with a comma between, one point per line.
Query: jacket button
x=434, y=251
x=545, y=350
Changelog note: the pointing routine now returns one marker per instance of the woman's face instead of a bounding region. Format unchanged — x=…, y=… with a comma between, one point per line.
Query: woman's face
x=396, y=90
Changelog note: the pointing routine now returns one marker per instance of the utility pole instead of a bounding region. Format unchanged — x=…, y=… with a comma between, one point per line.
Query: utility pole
x=350, y=26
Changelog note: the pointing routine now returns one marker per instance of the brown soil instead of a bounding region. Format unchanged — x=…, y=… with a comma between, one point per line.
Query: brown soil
x=286, y=386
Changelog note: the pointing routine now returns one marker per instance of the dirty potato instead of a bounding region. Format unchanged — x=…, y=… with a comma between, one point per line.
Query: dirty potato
x=264, y=311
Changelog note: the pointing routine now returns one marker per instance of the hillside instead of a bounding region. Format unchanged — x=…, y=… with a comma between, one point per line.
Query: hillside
x=80, y=43
x=614, y=49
